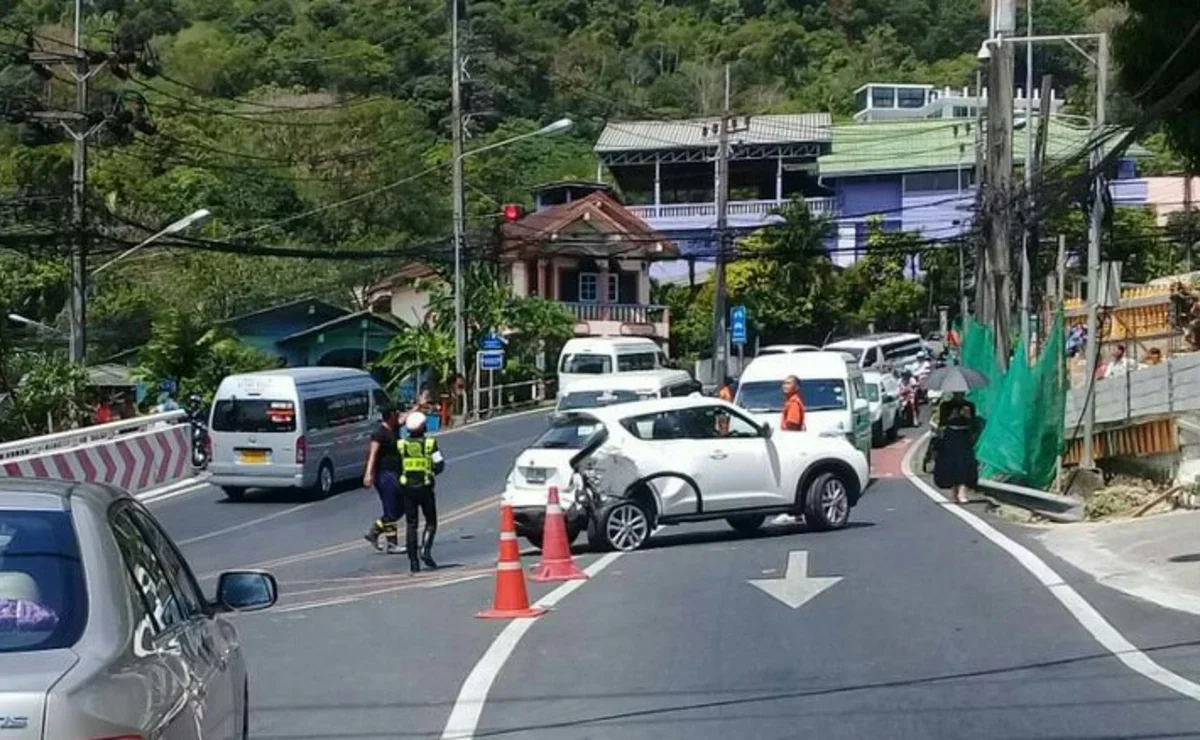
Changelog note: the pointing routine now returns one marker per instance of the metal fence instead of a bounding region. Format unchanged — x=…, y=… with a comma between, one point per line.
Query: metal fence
x=1170, y=388
x=88, y=435
x=490, y=401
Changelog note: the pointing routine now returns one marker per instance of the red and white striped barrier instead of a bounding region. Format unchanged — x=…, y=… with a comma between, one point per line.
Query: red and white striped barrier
x=134, y=457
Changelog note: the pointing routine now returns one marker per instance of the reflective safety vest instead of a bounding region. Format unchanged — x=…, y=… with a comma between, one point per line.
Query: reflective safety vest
x=416, y=456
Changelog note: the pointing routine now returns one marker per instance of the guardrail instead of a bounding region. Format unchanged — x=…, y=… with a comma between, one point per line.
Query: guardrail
x=1049, y=505
x=1170, y=388
x=134, y=454
x=501, y=398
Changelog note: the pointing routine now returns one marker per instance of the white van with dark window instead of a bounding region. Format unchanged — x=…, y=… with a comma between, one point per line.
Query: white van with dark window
x=877, y=351
x=305, y=427
x=592, y=356
x=605, y=390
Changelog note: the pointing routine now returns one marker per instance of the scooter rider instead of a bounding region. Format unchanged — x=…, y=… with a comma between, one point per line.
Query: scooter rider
x=420, y=462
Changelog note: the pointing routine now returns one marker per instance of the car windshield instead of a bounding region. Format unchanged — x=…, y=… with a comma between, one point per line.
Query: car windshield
x=571, y=433
x=596, y=399
x=253, y=416
x=43, y=597
x=767, y=395
x=586, y=365
x=872, y=392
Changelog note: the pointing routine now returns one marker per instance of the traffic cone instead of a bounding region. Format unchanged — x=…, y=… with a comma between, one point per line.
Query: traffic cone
x=511, y=599
x=556, y=564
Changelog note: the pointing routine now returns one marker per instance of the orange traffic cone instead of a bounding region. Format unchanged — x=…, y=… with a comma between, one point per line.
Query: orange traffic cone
x=511, y=599
x=556, y=564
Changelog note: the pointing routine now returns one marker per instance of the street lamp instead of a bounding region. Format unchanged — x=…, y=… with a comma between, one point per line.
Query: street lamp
x=559, y=126
x=1087, y=459
x=182, y=224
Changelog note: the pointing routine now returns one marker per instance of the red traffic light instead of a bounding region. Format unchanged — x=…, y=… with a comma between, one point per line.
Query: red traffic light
x=512, y=212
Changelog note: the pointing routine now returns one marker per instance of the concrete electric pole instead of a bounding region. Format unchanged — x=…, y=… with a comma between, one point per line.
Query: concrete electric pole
x=456, y=174
x=999, y=210
x=720, y=339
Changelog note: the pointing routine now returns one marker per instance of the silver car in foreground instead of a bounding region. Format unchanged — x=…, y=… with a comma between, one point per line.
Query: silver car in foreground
x=104, y=631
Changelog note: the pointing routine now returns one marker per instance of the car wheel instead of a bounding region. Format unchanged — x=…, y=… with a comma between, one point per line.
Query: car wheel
x=324, y=487
x=894, y=433
x=234, y=494
x=534, y=539
x=827, y=504
x=746, y=523
x=877, y=434
x=625, y=526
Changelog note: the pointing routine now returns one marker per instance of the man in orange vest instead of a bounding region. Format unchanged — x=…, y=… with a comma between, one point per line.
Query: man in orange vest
x=793, y=406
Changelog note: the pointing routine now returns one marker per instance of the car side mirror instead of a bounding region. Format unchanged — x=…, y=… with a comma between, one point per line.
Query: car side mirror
x=766, y=431
x=860, y=404
x=246, y=591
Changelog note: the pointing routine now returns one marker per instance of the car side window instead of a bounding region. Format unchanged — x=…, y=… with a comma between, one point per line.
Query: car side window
x=726, y=424
x=181, y=576
x=149, y=574
x=664, y=425
x=869, y=358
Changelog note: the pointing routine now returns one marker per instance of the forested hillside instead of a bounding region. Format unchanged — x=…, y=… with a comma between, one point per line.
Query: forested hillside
x=323, y=124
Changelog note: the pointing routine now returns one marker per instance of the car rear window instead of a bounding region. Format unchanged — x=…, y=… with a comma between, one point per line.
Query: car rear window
x=43, y=596
x=764, y=396
x=586, y=365
x=567, y=434
x=253, y=416
x=596, y=399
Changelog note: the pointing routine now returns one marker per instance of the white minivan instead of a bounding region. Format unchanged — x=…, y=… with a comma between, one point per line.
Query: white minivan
x=305, y=427
x=588, y=357
x=877, y=351
x=835, y=399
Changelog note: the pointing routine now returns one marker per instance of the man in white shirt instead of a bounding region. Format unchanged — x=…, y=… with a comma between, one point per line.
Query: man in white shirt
x=1120, y=365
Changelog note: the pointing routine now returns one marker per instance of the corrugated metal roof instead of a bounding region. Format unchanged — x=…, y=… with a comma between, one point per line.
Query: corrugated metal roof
x=907, y=146
x=701, y=133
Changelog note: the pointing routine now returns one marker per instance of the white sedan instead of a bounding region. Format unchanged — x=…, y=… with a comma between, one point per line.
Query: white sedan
x=680, y=460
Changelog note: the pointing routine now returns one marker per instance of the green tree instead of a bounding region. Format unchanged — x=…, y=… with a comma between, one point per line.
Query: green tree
x=880, y=286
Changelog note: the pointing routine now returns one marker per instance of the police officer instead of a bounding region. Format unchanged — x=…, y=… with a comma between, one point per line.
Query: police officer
x=382, y=473
x=420, y=462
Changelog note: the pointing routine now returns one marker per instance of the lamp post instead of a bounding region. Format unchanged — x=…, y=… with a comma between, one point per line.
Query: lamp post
x=1087, y=459
x=559, y=126
x=193, y=219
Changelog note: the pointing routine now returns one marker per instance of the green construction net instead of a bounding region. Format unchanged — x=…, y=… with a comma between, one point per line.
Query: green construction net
x=1022, y=409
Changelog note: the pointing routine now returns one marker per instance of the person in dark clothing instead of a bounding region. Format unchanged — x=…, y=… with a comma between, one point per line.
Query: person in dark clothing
x=420, y=462
x=955, y=466
x=383, y=473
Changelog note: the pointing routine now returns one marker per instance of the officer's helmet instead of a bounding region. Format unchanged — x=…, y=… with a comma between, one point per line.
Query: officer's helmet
x=415, y=422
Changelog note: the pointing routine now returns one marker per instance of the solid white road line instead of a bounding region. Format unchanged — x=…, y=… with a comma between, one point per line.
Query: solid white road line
x=170, y=489
x=1088, y=617
x=468, y=707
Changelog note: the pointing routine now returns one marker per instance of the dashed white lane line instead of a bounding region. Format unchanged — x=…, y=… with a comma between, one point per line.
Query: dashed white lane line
x=1088, y=617
x=468, y=707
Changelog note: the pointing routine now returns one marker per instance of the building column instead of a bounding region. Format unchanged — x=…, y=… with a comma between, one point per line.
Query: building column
x=542, y=288
x=847, y=244
x=779, y=179
x=657, y=187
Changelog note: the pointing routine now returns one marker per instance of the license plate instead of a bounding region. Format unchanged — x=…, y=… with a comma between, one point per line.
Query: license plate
x=535, y=475
x=252, y=457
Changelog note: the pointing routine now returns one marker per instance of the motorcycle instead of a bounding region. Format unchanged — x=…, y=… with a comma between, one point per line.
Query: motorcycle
x=908, y=405
x=200, y=440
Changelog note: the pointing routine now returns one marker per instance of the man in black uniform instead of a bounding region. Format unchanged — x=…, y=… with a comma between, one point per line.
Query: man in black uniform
x=382, y=473
x=420, y=462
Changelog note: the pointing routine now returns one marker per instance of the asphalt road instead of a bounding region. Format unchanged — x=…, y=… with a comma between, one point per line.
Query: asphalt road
x=933, y=630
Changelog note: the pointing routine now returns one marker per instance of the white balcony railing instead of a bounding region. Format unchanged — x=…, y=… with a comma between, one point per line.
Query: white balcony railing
x=821, y=206
x=626, y=313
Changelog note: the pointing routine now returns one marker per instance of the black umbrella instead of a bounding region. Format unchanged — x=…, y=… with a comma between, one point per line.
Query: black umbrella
x=954, y=379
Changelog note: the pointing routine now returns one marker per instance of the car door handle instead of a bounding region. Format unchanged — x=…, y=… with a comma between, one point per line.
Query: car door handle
x=718, y=455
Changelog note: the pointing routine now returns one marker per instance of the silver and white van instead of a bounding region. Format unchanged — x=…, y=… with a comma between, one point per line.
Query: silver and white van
x=877, y=351
x=605, y=390
x=587, y=357
x=305, y=427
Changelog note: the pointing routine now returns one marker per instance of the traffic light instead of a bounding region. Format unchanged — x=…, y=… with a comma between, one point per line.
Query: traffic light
x=513, y=212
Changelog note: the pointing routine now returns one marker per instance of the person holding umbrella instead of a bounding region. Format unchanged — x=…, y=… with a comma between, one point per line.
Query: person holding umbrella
x=955, y=466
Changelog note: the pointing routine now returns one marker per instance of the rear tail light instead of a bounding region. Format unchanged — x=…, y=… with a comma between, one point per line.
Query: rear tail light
x=208, y=447
x=301, y=450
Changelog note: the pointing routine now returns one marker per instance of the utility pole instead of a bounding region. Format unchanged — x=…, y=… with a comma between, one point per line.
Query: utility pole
x=1188, y=225
x=999, y=170
x=79, y=281
x=962, y=283
x=1032, y=233
x=1087, y=458
x=720, y=337
x=456, y=175
x=1026, y=235
x=983, y=292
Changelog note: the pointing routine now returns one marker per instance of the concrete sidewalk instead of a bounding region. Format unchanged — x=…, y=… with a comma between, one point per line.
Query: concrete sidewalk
x=1156, y=559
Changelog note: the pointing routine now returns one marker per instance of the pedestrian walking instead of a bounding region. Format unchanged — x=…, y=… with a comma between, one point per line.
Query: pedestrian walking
x=955, y=466
x=420, y=462
x=793, y=406
x=383, y=474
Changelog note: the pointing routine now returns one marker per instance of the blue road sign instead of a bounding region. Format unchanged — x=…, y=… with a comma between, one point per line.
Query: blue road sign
x=167, y=386
x=737, y=324
x=491, y=341
x=491, y=360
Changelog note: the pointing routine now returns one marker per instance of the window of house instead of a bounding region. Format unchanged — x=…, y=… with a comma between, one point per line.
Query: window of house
x=589, y=287
x=928, y=182
x=960, y=111
x=910, y=98
x=883, y=97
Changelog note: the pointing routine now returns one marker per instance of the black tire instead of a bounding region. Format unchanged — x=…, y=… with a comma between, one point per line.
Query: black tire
x=534, y=539
x=234, y=493
x=877, y=434
x=323, y=488
x=894, y=433
x=625, y=525
x=746, y=524
x=827, y=503
x=595, y=536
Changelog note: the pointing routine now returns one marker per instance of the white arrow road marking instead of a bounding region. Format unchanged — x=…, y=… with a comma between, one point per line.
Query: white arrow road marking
x=796, y=588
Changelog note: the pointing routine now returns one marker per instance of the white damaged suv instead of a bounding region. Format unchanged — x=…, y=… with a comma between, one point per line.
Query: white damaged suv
x=679, y=460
